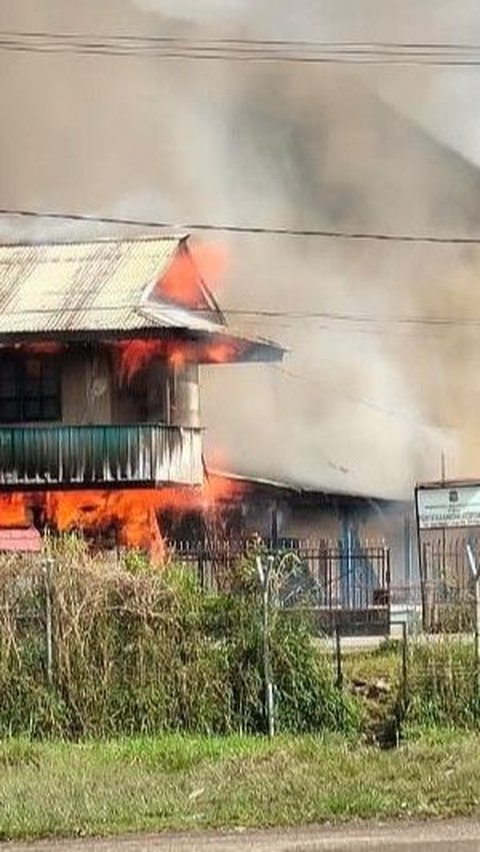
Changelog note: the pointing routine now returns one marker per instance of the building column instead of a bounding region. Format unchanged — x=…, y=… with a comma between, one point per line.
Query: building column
x=184, y=395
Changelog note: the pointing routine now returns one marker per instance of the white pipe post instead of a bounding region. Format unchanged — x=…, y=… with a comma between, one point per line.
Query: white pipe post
x=264, y=577
x=476, y=576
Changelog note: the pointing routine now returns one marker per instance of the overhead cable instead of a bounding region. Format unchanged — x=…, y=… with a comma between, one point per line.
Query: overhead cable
x=225, y=227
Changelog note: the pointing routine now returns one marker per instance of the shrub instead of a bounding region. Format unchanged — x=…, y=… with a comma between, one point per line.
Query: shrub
x=140, y=650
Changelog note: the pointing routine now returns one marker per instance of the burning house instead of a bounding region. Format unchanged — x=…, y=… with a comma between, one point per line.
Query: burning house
x=100, y=348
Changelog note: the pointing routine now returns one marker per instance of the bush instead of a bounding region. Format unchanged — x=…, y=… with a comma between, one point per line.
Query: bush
x=137, y=650
x=443, y=684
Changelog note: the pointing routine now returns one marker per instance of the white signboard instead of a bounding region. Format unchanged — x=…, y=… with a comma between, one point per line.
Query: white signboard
x=449, y=505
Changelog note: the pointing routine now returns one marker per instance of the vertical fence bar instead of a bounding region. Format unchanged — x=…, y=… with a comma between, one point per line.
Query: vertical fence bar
x=338, y=657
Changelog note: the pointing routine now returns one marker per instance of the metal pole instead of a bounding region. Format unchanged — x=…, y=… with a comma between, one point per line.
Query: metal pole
x=49, y=620
x=444, y=532
x=476, y=577
x=338, y=656
x=264, y=577
x=477, y=640
x=404, y=667
x=422, y=564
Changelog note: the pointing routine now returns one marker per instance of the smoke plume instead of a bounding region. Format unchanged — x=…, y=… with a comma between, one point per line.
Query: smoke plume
x=364, y=405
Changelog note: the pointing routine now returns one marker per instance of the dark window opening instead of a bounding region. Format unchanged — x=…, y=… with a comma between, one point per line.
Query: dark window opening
x=30, y=390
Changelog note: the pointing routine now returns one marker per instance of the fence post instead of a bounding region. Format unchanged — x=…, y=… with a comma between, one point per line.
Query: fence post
x=338, y=657
x=201, y=571
x=404, y=667
x=264, y=572
x=476, y=585
x=49, y=619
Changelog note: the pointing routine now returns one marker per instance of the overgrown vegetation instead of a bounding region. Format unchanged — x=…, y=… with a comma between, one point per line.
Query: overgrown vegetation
x=439, y=687
x=136, y=651
x=443, y=684
x=160, y=687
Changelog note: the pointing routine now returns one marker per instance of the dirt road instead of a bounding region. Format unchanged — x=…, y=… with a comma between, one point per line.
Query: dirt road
x=451, y=836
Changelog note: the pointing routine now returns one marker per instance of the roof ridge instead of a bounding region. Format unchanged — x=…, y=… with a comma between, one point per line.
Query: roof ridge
x=97, y=240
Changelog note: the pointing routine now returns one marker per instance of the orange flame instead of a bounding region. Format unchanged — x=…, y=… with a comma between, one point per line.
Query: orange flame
x=136, y=355
x=132, y=514
x=183, y=281
x=211, y=261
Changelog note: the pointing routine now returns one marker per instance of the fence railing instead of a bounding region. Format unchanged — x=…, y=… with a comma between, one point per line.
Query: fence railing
x=342, y=586
x=105, y=455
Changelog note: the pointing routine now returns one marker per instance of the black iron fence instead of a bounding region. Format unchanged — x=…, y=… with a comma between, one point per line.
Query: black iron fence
x=343, y=587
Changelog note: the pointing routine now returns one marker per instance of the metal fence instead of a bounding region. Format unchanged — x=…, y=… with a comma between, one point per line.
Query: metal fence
x=447, y=583
x=343, y=587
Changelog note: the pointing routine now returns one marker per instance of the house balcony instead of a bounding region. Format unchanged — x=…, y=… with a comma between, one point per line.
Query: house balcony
x=139, y=456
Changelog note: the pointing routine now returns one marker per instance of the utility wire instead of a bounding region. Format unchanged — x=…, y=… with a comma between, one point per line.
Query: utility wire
x=143, y=38
x=244, y=50
x=360, y=318
x=323, y=315
x=355, y=400
x=374, y=236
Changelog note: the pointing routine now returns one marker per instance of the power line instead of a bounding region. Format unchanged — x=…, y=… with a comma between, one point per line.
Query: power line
x=323, y=315
x=354, y=319
x=245, y=50
x=355, y=400
x=139, y=37
x=357, y=318
x=242, y=229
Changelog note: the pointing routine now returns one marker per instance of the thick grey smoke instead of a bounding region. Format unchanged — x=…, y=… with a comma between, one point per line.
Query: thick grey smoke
x=361, y=406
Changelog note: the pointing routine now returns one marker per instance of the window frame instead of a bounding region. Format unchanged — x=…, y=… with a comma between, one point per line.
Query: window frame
x=37, y=404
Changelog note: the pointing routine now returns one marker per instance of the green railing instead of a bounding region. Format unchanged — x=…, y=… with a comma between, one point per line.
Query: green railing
x=89, y=456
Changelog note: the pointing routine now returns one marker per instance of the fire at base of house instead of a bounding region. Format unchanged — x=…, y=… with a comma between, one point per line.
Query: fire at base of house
x=111, y=518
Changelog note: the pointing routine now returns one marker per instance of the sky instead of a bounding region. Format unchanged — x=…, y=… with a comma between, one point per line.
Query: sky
x=365, y=405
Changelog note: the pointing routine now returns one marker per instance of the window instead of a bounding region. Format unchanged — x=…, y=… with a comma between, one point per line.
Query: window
x=29, y=390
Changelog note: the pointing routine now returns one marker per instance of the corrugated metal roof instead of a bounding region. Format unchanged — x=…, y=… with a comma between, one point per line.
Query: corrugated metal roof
x=89, y=286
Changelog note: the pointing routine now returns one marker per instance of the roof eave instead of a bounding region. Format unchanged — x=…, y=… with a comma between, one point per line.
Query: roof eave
x=243, y=349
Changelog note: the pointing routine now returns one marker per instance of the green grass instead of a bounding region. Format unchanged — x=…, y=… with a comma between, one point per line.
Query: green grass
x=176, y=782
x=382, y=663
